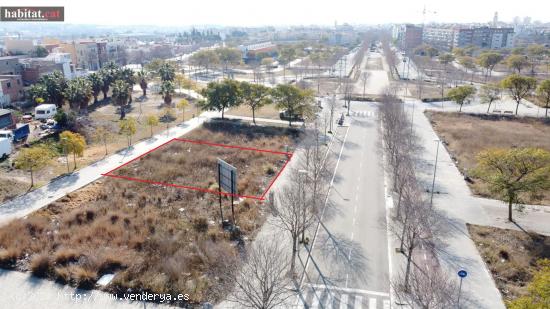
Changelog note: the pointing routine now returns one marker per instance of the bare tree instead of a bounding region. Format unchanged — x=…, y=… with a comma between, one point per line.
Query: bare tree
x=263, y=281
x=427, y=290
x=332, y=105
x=364, y=79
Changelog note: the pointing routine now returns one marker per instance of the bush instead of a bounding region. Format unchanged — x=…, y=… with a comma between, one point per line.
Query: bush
x=8, y=257
x=41, y=265
x=200, y=225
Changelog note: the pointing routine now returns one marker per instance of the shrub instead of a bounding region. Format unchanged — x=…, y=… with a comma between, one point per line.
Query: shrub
x=200, y=225
x=83, y=277
x=64, y=256
x=40, y=265
x=8, y=257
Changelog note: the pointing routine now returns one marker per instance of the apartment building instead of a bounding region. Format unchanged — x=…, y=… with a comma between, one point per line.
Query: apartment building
x=18, y=46
x=407, y=36
x=446, y=38
x=10, y=65
x=11, y=88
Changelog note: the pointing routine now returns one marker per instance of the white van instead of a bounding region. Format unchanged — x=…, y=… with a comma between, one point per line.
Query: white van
x=5, y=147
x=45, y=111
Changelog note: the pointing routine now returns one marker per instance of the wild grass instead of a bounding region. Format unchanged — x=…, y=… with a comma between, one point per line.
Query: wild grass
x=466, y=135
x=510, y=255
x=154, y=238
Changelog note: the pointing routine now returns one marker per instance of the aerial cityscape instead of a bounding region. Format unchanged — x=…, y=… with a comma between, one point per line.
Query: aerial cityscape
x=237, y=154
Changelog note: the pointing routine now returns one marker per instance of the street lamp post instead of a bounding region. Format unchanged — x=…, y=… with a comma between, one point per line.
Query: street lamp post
x=66, y=152
x=435, y=170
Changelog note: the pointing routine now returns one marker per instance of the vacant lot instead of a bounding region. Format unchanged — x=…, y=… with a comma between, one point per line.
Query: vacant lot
x=466, y=135
x=510, y=255
x=269, y=111
x=154, y=238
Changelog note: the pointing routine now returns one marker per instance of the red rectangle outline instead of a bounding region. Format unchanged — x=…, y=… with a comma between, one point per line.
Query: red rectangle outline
x=260, y=198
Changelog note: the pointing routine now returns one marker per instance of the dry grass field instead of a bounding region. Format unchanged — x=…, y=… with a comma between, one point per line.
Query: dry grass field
x=510, y=256
x=466, y=135
x=154, y=238
x=269, y=111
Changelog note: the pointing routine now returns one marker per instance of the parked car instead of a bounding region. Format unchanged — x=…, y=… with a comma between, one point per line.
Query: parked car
x=45, y=111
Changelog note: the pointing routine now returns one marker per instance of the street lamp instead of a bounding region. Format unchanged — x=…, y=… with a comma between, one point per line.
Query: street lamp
x=65, y=151
x=435, y=170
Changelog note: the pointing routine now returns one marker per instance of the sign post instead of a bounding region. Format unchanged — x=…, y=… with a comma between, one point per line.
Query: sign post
x=462, y=274
x=227, y=180
x=220, y=188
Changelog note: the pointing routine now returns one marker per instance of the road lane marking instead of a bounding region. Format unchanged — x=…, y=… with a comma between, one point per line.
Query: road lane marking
x=358, y=302
x=372, y=303
x=344, y=301
x=348, y=290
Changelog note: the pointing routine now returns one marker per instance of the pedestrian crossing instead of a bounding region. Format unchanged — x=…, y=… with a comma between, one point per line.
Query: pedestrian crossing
x=323, y=298
x=363, y=114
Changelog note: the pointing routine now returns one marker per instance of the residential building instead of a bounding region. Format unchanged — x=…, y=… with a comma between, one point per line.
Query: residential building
x=87, y=56
x=407, y=36
x=11, y=88
x=446, y=38
x=18, y=46
x=250, y=52
x=440, y=38
x=34, y=68
x=10, y=65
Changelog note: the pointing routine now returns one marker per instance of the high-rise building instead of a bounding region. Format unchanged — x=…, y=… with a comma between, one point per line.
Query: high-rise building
x=447, y=38
x=407, y=36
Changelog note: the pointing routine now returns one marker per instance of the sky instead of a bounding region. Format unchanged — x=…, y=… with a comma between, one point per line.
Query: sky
x=287, y=12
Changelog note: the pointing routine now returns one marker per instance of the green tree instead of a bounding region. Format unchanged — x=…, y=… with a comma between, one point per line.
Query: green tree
x=205, y=59
x=518, y=87
x=97, y=83
x=108, y=74
x=33, y=159
x=490, y=93
x=39, y=52
x=255, y=96
x=120, y=96
x=286, y=55
x=152, y=121
x=72, y=143
x=167, y=72
x=468, y=63
x=488, y=61
x=127, y=75
x=222, y=95
x=167, y=90
x=78, y=92
x=538, y=295
x=514, y=173
x=182, y=105
x=229, y=56
x=536, y=53
x=55, y=84
x=461, y=94
x=128, y=127
x=543, y=93
x=142, y=80
x=517, y=62
x=293, y=100
x=445, y=59
x=37, y=91
x=154, y=65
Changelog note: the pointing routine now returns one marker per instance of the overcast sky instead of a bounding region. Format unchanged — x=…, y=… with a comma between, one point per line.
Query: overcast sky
x=287, y=12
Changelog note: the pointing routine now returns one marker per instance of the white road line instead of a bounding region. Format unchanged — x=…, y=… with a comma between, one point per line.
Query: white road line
x=372, y=303
x=358, y=302
x=348, y=290
x=344, y=301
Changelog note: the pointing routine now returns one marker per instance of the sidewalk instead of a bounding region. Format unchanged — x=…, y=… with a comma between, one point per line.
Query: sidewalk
x=27, y=203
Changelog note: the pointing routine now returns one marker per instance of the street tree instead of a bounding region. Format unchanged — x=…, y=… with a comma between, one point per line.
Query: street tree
x=469, y=64
x=228, y=57
x=182, y=105
x=294, y=101
x=205, y=59
x=263, y=281
x=490, y=93
x=78, y=93
x=96, y=82
x=519, y=87
x=120, y=96
x=103, y=135
x=488, y=61
x=142, y=80
x=517, y=62
x=536, y=54
x=108, y=74
x=127, y=75
x=128, y=127
x=445, y=59
x=286, y=55
x=32, y=159
x=461, y=94
x=432, y=289
x=255, y=96
x=152, y=121
x=72, y=143
x=167, y=90
x=37, y=91
x=543, y=93
x=364, y=79
x=514, y=173
x=222, y=95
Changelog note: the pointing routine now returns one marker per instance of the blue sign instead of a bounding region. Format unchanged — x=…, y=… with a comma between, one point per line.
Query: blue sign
x=462, y=273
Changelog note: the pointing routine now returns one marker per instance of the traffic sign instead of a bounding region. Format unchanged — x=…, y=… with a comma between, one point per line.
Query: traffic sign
x=462, y=273
x=227, y=176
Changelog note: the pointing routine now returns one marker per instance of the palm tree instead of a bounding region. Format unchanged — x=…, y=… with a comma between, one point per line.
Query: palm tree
x=167, y=72
x=127, y=75
x=109, y=74
x=167, y=89
x=78, y=93
x=96, y=82
x=142, y=78
x=120, y=95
